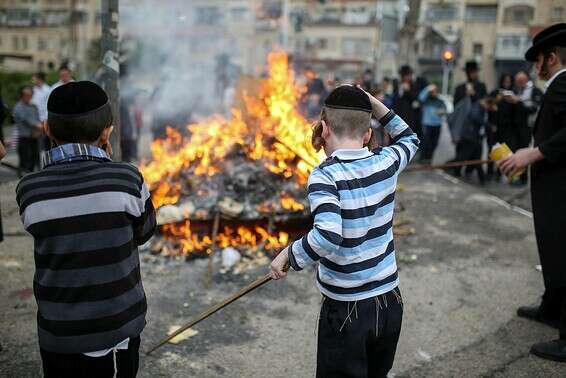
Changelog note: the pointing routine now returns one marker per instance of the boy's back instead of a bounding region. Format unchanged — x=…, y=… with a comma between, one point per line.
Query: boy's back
x=352, y=198
x=87, y=218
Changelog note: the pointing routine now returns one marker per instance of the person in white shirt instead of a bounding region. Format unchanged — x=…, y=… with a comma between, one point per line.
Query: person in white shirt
x=65, y=76
x=41, y=92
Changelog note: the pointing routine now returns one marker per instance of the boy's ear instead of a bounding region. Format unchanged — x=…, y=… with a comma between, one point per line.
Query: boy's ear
x=47, y=130
x=105, y=136
x=367, y=136
x=325, y=130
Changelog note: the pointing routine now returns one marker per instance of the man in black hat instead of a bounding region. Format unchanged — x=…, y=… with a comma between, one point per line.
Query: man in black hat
x=406, y=99
x=87, y=215
x=547, y=159
x=469, y=147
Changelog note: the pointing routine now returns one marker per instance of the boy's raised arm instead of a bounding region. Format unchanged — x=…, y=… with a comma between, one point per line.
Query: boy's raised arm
x=405, y=142
x=326, y=234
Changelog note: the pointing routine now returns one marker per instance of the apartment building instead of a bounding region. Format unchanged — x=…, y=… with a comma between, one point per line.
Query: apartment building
x=495, y=33
x=43, y=34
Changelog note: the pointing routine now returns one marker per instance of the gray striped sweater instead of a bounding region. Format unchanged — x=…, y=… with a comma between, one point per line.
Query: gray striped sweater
x=87, y=218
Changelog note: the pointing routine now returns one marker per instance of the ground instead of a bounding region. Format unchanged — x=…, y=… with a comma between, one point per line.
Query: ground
x=470, y=264
x=475, y=263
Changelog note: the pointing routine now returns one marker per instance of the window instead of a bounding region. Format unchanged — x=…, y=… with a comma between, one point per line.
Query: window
x=24, y=42
x=557, y=14
x=356, y=47
x=41, y=44
x=477, y=49
x=518, y=15
x=439, y=12
x=481, y=13
x=322, y=43
x=208, y=16
x=239, y=14
x=16, y=42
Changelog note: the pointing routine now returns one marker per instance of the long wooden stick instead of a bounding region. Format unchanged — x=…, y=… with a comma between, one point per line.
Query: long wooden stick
x=304, y=159
x=254, y=285
x=454, y=164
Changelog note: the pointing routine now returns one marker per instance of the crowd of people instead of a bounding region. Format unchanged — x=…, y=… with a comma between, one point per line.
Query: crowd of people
x=480, y=118
x=30, y=113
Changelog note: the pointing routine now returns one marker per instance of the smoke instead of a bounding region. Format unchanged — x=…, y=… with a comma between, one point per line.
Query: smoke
x=178, y=55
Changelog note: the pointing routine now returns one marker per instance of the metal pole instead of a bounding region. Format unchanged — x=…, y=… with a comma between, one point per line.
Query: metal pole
x=111, y=67
x=445, y=78
x=285, y=27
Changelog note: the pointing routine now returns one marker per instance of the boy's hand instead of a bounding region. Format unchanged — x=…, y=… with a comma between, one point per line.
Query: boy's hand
x=280, y=265
x=379, y=110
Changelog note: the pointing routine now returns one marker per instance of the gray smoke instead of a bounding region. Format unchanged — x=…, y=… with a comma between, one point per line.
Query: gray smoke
x=176, y=53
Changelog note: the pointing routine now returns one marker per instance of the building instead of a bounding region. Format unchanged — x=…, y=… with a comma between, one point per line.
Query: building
x=43, y=34
x=495, y=33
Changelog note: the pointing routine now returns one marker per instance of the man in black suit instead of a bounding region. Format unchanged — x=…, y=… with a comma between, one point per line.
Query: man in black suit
x=471, y=146
x=548, y=185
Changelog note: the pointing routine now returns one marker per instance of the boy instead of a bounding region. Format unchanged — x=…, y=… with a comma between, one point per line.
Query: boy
x=87, y=215
x=351, y=195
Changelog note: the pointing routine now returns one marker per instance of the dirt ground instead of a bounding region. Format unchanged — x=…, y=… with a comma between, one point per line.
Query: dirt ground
x=470, y=264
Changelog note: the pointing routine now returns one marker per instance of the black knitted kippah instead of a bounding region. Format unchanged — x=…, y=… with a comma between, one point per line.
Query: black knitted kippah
x=348, y=97
x=76, y=98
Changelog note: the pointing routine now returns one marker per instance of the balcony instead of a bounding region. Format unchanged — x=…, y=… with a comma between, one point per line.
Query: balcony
x=511, y=47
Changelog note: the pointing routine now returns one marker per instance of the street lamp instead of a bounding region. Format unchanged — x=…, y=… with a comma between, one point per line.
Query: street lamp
x=448, y=57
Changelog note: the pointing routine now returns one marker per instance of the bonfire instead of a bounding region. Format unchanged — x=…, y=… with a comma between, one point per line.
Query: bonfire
x=237, y=182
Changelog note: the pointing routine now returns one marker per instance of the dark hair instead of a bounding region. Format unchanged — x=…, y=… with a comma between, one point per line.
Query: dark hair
x=40, y=75
x=24, y=88
x=83, y=128
x=64, y=68
x=505, y=76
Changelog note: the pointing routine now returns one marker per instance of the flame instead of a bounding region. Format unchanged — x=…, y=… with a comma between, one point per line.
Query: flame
x=268, y=128
x=255, y=239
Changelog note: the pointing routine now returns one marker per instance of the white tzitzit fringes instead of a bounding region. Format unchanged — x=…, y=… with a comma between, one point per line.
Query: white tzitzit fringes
x=399, y=299
x=377, y=308
x=115, y=362
x=349, y=316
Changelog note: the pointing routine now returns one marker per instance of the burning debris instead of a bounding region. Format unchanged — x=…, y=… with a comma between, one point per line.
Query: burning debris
x=250, y=172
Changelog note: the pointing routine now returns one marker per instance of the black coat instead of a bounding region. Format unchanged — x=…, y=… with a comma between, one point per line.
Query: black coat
x=548, y=184
x=479, y=88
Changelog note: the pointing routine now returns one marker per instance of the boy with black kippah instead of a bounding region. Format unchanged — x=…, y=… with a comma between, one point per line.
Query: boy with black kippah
x=87, y=215
x=351, y=197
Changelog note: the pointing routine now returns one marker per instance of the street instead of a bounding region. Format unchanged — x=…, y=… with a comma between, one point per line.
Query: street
x=471, y=262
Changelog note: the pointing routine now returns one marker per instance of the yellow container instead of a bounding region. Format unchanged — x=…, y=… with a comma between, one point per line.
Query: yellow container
x=501, y=151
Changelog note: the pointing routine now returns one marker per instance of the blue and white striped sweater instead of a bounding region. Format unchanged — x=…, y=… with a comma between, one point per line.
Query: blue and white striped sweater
x=352, y=199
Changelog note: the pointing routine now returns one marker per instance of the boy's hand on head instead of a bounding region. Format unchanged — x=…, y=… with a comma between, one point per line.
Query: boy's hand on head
x=280, y=265
x=379, y=110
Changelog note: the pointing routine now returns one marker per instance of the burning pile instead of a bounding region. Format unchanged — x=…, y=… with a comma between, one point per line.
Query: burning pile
x=236, y=182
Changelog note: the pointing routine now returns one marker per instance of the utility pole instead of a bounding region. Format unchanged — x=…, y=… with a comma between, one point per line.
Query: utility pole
x=111, y=67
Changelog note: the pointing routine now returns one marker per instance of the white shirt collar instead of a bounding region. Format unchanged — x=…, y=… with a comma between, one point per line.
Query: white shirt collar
x=547, y=84
x=352, y=153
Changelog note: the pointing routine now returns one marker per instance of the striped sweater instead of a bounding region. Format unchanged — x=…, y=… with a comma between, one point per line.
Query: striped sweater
x=352, y=199
x=87, y=216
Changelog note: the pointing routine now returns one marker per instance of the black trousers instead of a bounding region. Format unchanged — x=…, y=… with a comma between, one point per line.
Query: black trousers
x=126, y=363
x=359, y=339
x=431, y=134
x=28, y=152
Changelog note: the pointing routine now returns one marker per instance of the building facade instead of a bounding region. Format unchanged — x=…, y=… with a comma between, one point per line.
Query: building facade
x=495, y=33
x=43, y=34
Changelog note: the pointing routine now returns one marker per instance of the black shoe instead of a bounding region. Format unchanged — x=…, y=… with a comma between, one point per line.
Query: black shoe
x=534, y=313
x=554, y=350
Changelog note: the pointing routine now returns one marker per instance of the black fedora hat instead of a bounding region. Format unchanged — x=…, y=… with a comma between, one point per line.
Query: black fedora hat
x=554, y=35
x=471, y=65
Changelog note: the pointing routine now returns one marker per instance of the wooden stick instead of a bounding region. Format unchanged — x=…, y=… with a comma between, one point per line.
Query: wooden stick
x=254, y=285
x=214, y=235
x=454, y=164
x=307, y=161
